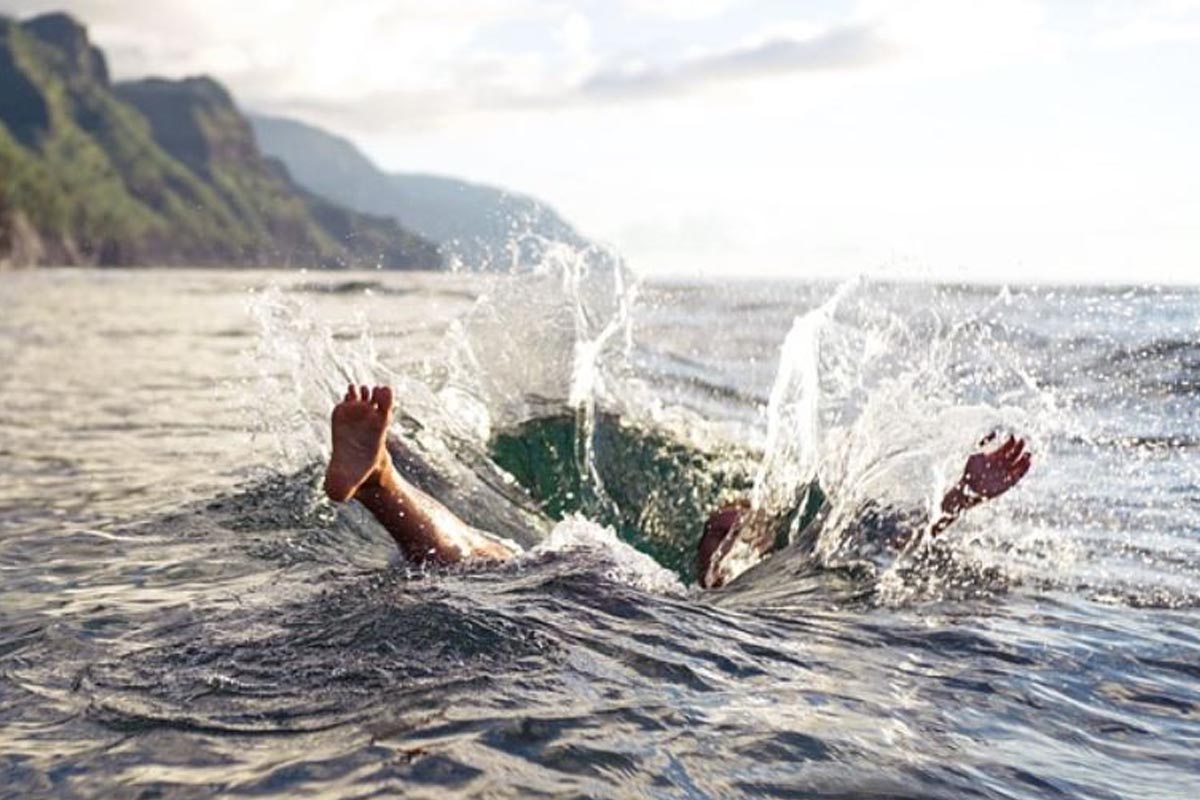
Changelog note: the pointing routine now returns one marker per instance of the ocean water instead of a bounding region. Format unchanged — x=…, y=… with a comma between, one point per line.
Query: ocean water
x=182, y=614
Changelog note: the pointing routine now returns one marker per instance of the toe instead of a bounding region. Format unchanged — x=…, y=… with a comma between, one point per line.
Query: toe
x=350, y=393
x=383, y=397
x=364, y=393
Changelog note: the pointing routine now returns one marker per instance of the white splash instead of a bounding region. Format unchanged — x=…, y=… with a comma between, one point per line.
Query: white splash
x=792, y=447
x=624, y=564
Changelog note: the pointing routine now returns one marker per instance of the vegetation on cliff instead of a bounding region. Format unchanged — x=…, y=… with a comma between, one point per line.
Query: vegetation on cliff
x=154, y=172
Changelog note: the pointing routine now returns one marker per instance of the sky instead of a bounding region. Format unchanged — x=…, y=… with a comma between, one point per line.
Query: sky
x=980, y=140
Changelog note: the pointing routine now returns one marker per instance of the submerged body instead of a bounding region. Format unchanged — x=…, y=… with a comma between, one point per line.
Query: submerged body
x=735, y=536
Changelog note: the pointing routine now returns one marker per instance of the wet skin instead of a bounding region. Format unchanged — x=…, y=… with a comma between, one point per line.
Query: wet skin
x=987, y=474
x=361, y=469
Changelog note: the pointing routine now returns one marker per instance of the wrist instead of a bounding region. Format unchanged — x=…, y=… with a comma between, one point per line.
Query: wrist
x=958, y=499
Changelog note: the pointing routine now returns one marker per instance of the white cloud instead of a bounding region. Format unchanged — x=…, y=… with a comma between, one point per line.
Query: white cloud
x=959, y=36
x=1147, y=23
x=835, y=48
x=270, y=50
x=383, y=63
x=676, y=9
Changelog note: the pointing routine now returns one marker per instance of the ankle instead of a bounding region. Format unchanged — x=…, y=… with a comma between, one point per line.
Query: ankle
x=381, y=480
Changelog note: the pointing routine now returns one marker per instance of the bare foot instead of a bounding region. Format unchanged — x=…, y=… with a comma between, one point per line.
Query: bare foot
x=360, y=424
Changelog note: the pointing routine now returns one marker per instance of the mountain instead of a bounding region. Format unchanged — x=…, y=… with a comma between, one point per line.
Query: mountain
x=154, y=172
x=480, y=226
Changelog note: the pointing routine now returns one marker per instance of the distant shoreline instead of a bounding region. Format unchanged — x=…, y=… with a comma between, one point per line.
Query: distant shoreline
x=660, y=280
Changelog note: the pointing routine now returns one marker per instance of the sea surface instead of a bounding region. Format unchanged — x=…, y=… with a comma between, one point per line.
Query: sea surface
x=182, y=614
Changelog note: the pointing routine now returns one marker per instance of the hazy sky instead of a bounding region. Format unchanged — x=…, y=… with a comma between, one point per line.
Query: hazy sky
x=979, y=139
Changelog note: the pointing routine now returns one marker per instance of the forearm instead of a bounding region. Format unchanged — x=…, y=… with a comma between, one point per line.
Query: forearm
x=956, y=501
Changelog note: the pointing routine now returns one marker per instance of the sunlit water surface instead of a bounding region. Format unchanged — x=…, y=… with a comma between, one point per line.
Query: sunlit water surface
x=182, y=614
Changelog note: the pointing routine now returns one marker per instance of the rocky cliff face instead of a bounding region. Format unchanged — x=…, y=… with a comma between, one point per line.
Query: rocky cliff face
x=154, y=172
x=70, y=39
x=196, y=121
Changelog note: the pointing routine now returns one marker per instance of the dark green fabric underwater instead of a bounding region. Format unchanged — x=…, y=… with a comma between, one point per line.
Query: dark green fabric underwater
x=654, y=490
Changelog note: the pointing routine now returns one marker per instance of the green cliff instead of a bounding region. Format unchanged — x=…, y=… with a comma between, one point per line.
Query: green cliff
x=154, y=172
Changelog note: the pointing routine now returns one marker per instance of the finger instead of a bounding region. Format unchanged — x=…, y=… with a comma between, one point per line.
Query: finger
x=1007, y=448
x=383, y=396
x=991, y=437
x=364, y=394
x=1017, y=451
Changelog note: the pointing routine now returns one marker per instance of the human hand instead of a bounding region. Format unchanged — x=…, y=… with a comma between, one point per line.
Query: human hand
x=991, y=474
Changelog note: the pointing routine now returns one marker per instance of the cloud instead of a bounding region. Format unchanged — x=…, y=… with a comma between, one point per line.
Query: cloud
x=848, y=47
x=956, y=37
x=1148, y=23
x=273, y=47
x=410, y=63
x=676, y=9
x=489, y=83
